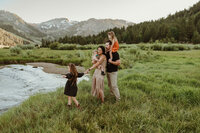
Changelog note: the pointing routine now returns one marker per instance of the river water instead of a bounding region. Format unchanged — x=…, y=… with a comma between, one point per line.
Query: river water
x=18, y=82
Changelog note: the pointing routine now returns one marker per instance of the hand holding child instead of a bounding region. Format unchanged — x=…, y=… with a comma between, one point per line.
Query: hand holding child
x=110, y=60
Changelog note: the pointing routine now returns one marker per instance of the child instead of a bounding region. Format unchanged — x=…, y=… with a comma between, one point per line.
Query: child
x=95, y=59
x=71, y=84
x=115, y=44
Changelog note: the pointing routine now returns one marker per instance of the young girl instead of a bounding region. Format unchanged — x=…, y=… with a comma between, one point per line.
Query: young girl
x=95, y=59
x=71, y=84
x=115, y=44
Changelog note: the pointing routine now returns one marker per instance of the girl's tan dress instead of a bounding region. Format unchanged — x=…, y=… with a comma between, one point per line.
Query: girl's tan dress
x=98, y=80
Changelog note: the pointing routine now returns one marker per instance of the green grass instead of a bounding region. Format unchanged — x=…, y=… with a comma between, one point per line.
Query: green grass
x=168, y=46
x=16, y=55
x=62, y=57
x=160, y=92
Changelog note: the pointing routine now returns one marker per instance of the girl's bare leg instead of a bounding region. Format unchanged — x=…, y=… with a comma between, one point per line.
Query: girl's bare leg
x=69, y=100
x=111, y=57
x=75, y=101
x=111, y=54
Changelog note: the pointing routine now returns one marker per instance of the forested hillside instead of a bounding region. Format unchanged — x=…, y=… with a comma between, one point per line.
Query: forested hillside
x=181, y=27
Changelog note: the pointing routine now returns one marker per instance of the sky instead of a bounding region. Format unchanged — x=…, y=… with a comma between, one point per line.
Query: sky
x=36, y=11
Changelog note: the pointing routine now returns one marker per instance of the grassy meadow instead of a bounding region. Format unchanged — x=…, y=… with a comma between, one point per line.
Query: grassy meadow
x=160, y=92
x=78, y=55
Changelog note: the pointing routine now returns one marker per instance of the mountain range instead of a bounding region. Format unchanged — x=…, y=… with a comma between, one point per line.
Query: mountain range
x=56, y=28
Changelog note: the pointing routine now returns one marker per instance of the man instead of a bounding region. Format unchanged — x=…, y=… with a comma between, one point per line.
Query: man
x=111, y=69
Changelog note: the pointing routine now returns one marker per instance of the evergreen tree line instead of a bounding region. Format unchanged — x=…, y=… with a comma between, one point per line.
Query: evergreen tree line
x=182, y=27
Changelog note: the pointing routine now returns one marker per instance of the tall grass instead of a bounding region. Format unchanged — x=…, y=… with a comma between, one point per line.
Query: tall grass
x=129, y=55
x=18, y=56
x=168, y=47
x=58, y=46
x=161, y=95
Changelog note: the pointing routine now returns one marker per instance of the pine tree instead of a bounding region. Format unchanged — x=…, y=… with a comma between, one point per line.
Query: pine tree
x=196, y=38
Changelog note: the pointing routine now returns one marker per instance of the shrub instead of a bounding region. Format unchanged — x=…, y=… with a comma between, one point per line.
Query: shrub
x=156, y=47
x=86, y=47
x=67, y=47
x=54, y=45
x=144, y=46
x=15, y=50
x=197, y=46
x=166, y=47
x=26, y=47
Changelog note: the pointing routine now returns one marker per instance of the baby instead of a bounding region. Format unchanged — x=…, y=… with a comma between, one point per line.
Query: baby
x=95, y=59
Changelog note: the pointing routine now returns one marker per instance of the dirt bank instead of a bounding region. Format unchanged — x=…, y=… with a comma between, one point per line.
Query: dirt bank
x=53, y=68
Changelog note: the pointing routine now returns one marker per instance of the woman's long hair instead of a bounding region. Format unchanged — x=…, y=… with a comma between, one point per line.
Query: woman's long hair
x=74, y=73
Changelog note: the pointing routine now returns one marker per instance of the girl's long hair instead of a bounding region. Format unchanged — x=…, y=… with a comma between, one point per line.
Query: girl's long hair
x=74, y=73
x=112, y=34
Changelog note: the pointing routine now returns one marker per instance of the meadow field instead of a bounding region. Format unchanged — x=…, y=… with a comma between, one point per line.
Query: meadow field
x=159, y=87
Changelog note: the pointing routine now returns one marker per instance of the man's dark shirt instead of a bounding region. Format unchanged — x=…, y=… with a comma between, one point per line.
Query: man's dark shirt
x=110, y=67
